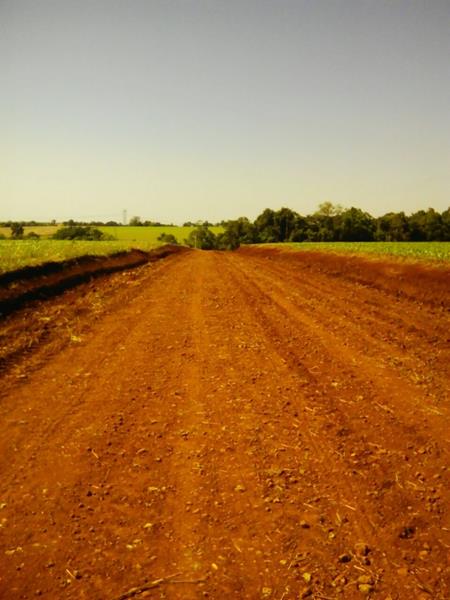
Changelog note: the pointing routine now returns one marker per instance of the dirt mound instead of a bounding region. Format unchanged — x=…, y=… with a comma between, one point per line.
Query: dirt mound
x=47, y=280
x=422, y=282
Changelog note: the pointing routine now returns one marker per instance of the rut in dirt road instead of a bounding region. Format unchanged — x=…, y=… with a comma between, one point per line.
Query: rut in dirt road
x=229, y=425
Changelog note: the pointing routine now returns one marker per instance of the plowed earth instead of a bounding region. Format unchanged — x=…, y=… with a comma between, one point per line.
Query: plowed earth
x=229, y=425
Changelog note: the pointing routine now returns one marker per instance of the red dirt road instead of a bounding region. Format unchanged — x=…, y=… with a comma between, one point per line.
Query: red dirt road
x=228, y=425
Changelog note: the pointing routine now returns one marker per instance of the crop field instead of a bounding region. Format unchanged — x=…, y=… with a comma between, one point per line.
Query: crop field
x=151, y=234
x=123, y=233
x=269, y=424
x=42, y=230
x=413, y=250
x=15, y=254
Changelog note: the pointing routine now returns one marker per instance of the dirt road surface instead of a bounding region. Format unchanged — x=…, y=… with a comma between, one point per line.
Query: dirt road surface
x=228, y=425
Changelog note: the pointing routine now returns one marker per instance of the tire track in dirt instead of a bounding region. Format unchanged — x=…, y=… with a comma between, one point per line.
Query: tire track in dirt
x=337, y=325
x=264, y=480
x=405, y=333
x=330, y=342
x=275, y=293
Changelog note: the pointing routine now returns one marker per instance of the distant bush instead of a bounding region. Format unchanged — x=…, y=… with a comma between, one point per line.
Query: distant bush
x=81, y=233
x=167, y=238
x=32, y=235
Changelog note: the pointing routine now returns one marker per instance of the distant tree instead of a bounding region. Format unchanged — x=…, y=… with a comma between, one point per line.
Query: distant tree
x=328, y=209
x=285, y=223
x=356, y=225
x=445, y=218
x=266, y=227
x=167, y=238
x=324, y=222
x=242, y=230
x=16, y=230
x=135, y=221
x=275, y=226
x=227, y=240
x=427, y=226
x=201, y=237
x=300, y=230
x=392, y=227
x=78, y=232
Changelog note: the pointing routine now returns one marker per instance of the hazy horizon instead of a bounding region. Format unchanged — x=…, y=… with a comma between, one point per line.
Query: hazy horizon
x=187, y=110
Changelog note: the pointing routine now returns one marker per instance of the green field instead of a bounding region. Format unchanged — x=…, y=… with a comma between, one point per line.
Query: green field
x=15, y=254
x=125, y=233
x=151, y=234
x=42, y=230
x=439, y=251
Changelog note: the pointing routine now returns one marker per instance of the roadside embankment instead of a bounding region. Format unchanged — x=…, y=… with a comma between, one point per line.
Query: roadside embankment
x=52, y=278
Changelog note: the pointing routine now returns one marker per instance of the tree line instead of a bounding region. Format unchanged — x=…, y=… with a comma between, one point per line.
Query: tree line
x=330, y=223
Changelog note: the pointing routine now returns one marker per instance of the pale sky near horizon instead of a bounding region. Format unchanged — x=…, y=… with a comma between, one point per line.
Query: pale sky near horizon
x=204, y=109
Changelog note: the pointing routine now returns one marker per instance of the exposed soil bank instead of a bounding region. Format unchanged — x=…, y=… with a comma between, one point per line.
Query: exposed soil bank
x=47, y=280
x=224, y=426
x=423, y=282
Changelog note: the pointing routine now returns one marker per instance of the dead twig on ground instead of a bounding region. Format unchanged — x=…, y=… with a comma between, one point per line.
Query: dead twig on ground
x=170, y=579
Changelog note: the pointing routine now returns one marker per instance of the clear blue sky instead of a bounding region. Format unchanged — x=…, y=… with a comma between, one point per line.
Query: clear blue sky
x=210, y=109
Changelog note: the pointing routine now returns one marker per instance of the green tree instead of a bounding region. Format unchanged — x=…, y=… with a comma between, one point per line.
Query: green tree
x=392, y=227
x=242, y=230
x=275, y=226
x=227, y=240
x=326, y=221
x=299, y=233
x=356, y=225
x=427, y=226
x=285, y=223
x=265, y=226
x=201, y=237
x=167, y=238
x=79, y=232
x=445, y=217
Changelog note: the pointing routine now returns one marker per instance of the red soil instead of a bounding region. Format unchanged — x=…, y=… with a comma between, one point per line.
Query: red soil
x=229, y=425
